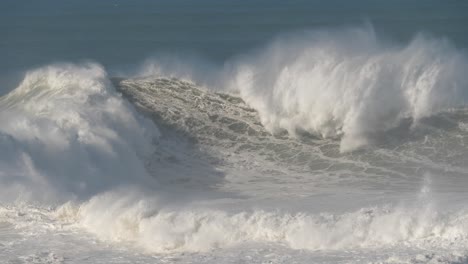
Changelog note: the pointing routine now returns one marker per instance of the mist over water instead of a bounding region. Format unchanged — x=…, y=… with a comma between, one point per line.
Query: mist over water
x=350, y=84
x=260, y=135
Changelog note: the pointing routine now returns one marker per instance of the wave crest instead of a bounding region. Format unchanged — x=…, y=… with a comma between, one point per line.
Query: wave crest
x=347, y=84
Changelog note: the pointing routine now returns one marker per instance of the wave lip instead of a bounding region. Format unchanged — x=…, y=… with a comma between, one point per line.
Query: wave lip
x=347, y=84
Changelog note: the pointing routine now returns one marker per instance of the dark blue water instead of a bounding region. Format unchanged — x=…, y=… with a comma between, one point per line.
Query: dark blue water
x=122, y=33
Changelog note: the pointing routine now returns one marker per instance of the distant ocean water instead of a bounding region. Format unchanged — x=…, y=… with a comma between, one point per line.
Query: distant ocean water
x=233, y=131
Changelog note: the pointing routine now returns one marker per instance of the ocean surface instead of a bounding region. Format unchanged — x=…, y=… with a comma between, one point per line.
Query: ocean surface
x=233, y=131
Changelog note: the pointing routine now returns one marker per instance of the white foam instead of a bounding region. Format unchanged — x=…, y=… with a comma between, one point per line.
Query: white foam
x=65, y=132
x=158, y=228
x=349, y=84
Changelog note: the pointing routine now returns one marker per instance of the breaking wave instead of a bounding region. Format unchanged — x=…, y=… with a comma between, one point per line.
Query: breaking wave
x=145, y=222
x=164, y=230
x=348, y=84
x=113, y=156
x=66, y=133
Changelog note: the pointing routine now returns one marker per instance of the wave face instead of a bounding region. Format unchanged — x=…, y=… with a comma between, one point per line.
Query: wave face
x=66, y=133
x=348, y=84
x=227, y=128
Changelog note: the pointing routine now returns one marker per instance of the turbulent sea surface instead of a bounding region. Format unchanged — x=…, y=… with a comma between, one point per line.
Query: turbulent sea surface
x=234, y=132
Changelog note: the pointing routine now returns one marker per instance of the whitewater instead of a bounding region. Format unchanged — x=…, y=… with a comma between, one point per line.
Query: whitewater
x=329, y=146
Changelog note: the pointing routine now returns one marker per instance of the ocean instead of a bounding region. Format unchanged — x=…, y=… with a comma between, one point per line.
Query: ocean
x=233, y=131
